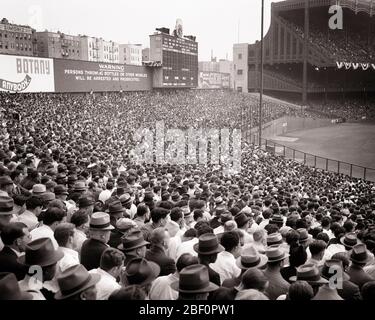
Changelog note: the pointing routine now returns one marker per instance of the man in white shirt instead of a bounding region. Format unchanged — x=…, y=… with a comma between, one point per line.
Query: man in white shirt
x=33, y=209
x=111, y=266
x=64, y=235
x=81, y=221
x=161, y=287
x=225, y=264
x=52, y=217
x=189, y=239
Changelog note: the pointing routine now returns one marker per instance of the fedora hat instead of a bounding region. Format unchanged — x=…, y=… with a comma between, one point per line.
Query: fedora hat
x=194, y=279
x=132, y=241
x=39, y=188
x=116, y=207
x=139, y=271
x=250, y=258
x=218, y=200
x=350, y=240
x=125, y=198
x=274, y=238
x=100, y=221
x=277, y=219
x=60, y=189
x=75, y=280
x=47, y=196
x=208, y=244
x=241, y=219
x=124, y=224
x=40, y=252
x=333, y=265
x=226, y=216
x=175, y=196
x=6, y=206
x=275, y=253
x=85, y=201
x=79, y=186
x=359, y=254
x=10, y=289
x=5, y=180
x=303, y=235
x=309, y=273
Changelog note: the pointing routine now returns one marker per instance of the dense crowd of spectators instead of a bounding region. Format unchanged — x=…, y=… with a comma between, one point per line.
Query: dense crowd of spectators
x=349, y=109
x=342, y=45
x=74, y=206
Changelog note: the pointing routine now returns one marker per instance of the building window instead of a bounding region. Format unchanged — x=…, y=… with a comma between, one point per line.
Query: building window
x=239, y=72
x=239, y=89
x=239, y=56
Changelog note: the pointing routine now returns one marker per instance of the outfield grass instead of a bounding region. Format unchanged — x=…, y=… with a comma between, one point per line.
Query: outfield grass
x=349, y=142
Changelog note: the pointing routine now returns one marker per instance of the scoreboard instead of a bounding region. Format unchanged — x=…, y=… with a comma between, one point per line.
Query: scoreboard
x=179, y=58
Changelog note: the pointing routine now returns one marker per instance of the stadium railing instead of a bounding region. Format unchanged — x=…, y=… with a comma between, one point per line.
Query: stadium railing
x=311, y=160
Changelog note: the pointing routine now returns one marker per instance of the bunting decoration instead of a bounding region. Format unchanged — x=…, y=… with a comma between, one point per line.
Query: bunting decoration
x=355, y=65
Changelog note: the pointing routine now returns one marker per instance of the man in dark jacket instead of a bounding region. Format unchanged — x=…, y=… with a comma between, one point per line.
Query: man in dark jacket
x=159, y=240
x=15, y=236
x=99, y=233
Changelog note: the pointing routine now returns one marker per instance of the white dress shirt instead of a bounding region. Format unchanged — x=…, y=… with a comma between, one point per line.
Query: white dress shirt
x=70, y=258
x=106, y=285
x=161, y=288
x=187, y=247
x=29, y=219
x=225, y=266
x=79, y=238
x=44, y=231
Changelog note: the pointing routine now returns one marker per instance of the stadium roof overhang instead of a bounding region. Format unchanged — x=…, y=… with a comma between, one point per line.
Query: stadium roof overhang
x=367, y=6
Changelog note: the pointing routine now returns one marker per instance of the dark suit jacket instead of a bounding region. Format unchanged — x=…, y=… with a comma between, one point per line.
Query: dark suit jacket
x=115, y=238
x=8, y=263
x=91, y=252
x=156, y=254
x=232, y=282
x=349, y=291
x=214, y=276
x=358, y=276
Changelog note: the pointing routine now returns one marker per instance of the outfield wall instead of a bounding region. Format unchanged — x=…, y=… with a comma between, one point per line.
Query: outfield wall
x=288, y=124
x=33, y=74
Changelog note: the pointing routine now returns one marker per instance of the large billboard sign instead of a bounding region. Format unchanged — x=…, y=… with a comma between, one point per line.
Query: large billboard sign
x=214, y=80
x=26, y=74
x=85, y=76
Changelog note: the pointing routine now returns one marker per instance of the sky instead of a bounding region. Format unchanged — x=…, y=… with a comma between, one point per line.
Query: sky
x=217, y=24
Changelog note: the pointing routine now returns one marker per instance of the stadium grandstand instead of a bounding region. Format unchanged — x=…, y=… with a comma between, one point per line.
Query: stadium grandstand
x=340, y=63
x=76, y=201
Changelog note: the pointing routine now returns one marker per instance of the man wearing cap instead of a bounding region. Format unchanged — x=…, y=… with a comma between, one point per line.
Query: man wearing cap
x=99, y=234
x=111, y=265
x=208, y=248
x=277, y=285
x=141, y=272
x=76, y=283
x=61, y=193
x=161, y=288
x=133, y=245
x=249, y=259
x=42, y=253
x=359, y=257
x=194, y=283
x=10, y=290
x=123, y=227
